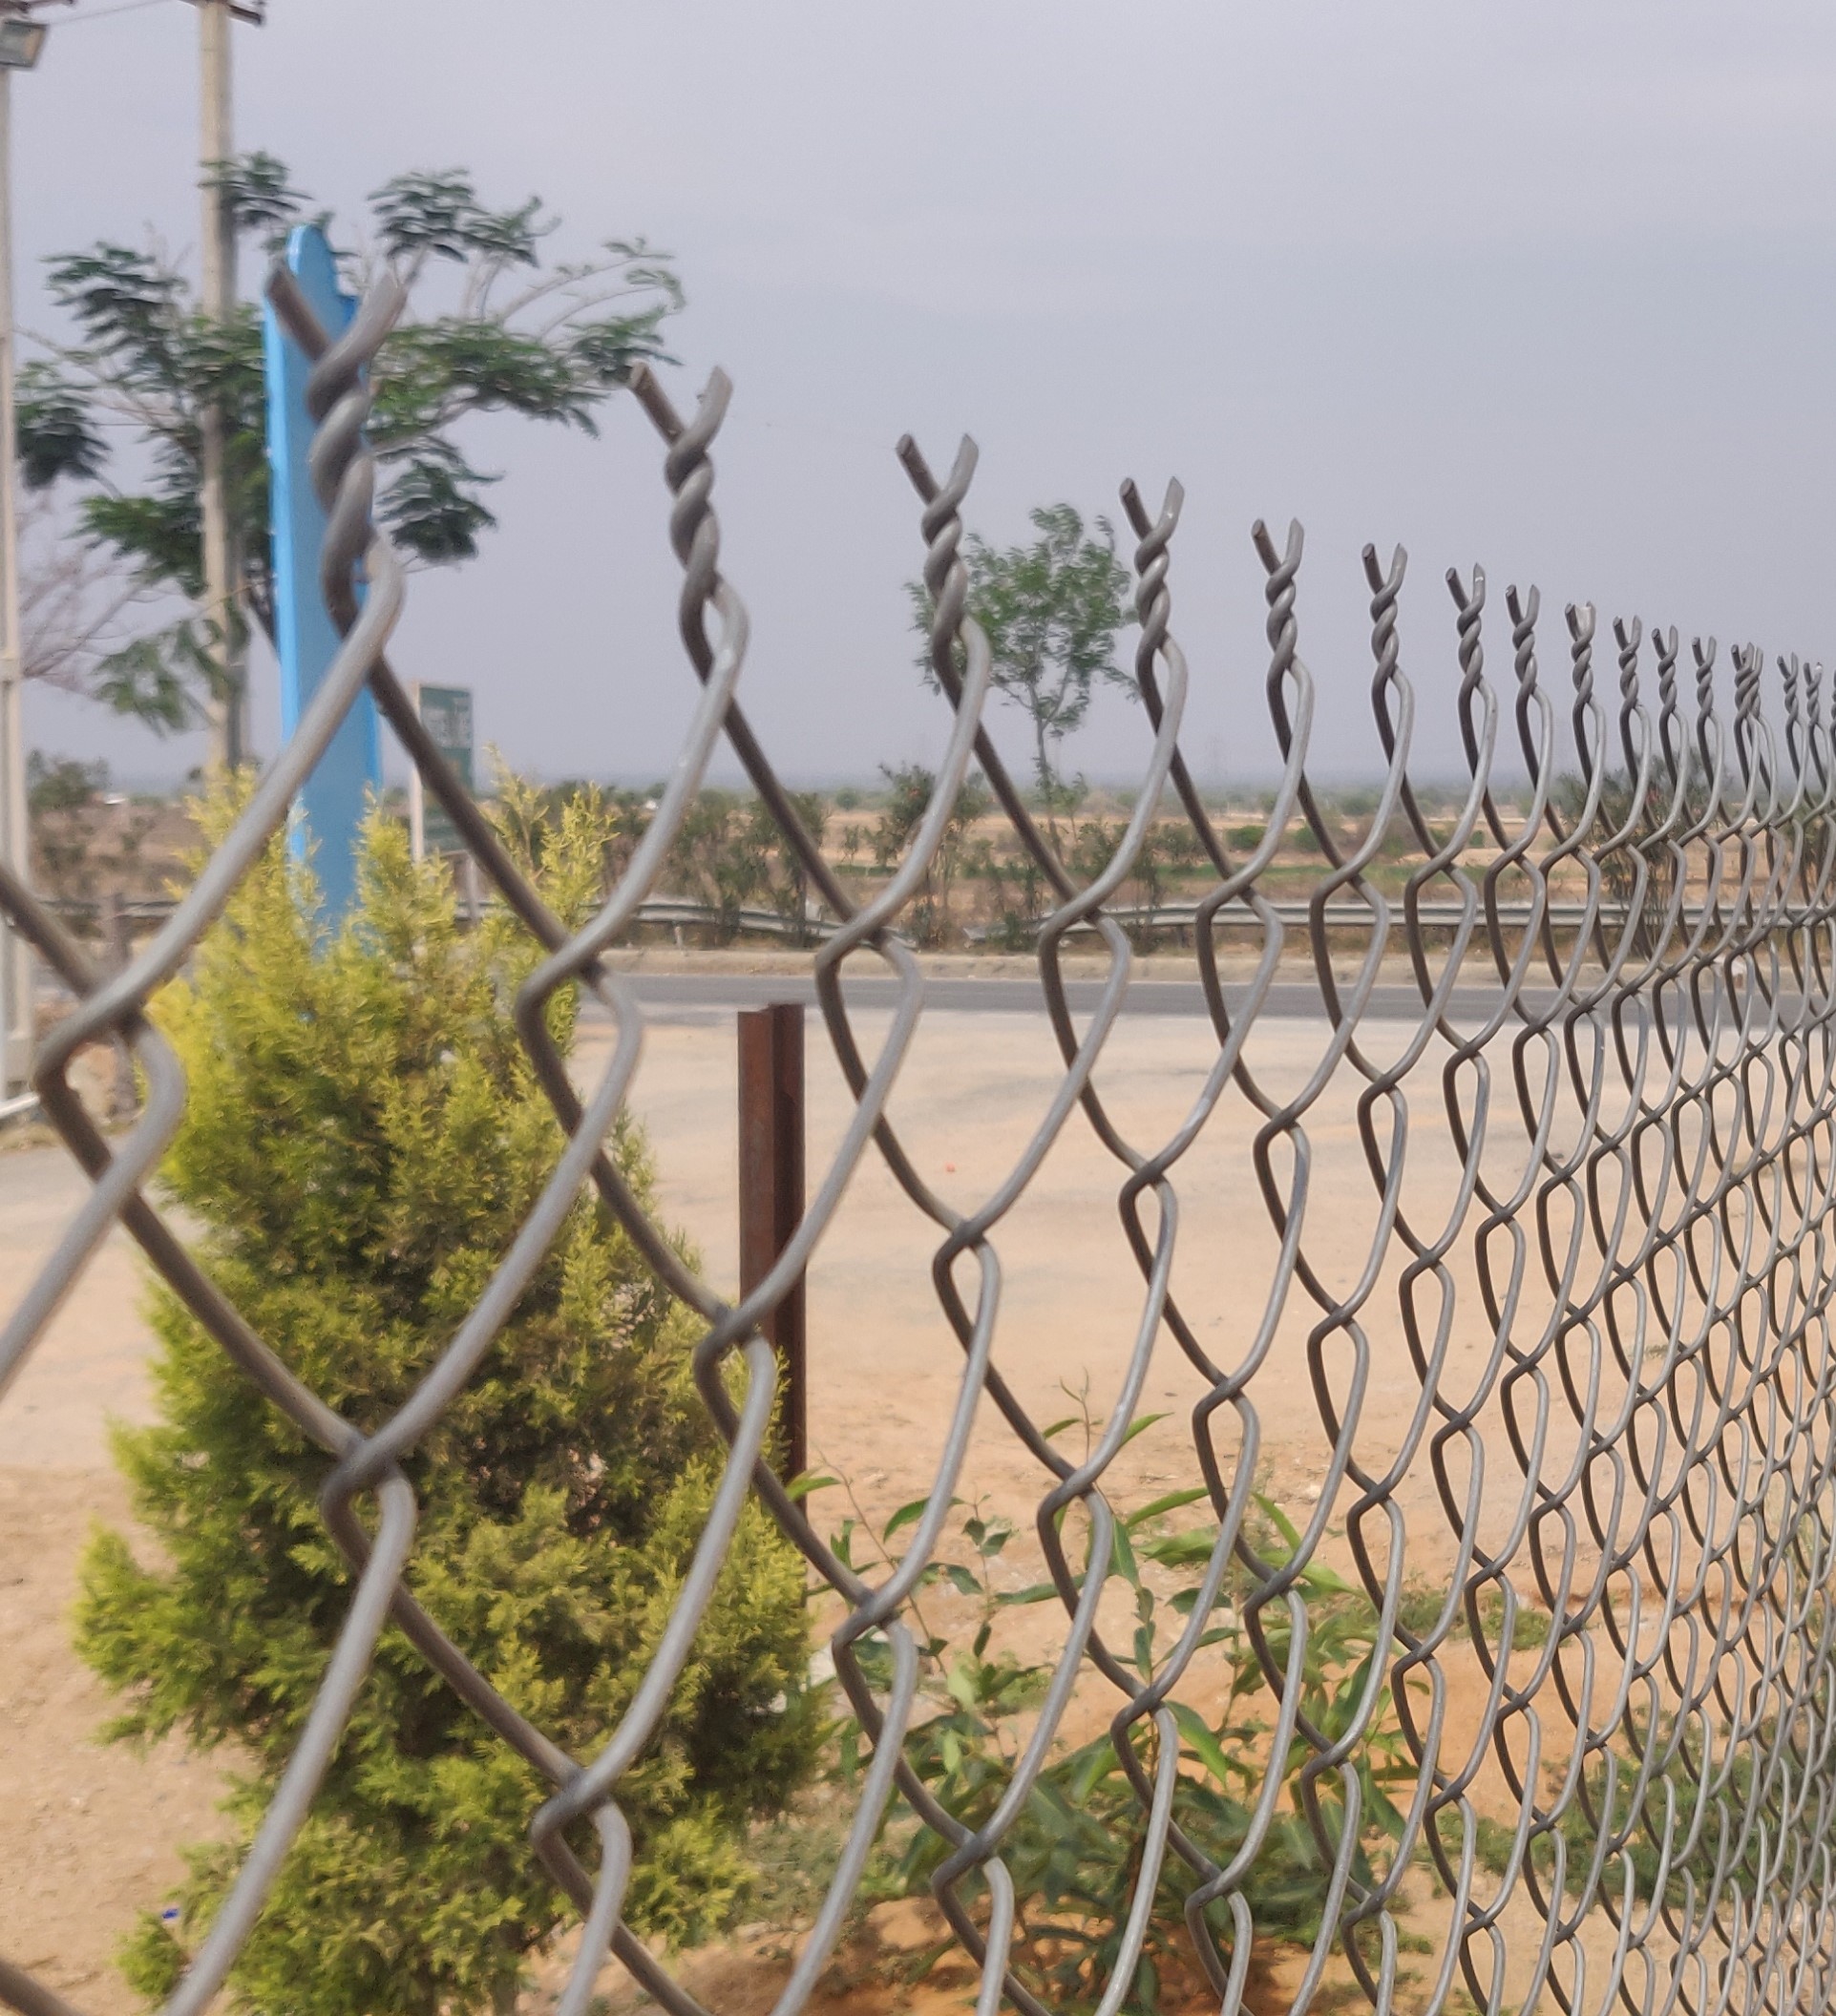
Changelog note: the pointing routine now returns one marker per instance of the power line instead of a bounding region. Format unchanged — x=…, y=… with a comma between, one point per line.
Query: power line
x=102, y=13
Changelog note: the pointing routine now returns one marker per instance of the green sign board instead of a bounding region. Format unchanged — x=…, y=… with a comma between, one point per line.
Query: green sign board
x=446, y=714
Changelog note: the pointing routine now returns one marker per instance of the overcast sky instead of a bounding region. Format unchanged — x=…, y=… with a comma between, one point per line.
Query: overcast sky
x=1546, y=286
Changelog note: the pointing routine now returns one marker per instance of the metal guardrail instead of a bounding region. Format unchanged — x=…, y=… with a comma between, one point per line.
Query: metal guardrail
x=1605, y=1336
x=662, y=911
x=666, y=911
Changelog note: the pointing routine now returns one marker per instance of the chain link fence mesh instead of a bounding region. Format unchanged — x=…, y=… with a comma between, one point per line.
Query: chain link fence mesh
x=1582, y=1068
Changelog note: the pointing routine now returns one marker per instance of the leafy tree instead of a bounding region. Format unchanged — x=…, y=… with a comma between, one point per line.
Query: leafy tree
x=492, y=327
x=364, y=1135
x=1051, y=612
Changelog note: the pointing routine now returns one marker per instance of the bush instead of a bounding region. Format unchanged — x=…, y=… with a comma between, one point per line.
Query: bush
x=908, y=798
x=730, y=855
x=1072, y=1850
x=363, y=1138
x=84, y=847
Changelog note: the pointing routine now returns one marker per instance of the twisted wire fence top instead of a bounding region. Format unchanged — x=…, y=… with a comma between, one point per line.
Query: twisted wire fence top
x=1579, y=1068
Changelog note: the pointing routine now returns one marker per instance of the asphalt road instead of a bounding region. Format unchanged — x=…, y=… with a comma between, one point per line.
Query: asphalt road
x=690, y=998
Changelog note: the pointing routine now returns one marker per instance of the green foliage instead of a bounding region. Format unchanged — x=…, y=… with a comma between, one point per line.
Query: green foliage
x=1703, y=1806
x=58, y=435
x=728, y=854
x=263, y=203
x=1419, y=1611
x=1169, y=849
x=62, y=784
x=1700, y=1804
x=536, y=816
x=84, y=847
x=1073, y=1849
x=155, y=678
x=363, y=1138
x=142, y=360
x=909, y=789
x=1641, y=870
x=1020, y=897
x=1051, y=612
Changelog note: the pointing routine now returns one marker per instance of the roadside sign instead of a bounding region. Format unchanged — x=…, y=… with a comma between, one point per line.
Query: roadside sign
x=333, y=800
x=446, y=714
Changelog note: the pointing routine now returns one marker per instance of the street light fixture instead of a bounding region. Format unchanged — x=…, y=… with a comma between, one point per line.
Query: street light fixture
x=21, y=41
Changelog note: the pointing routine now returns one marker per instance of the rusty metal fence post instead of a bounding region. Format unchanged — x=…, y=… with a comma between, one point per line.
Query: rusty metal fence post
x=770, y=1138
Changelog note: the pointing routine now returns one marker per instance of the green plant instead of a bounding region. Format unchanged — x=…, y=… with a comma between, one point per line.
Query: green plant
x=363, y=1136
x=1493, y=1842
x=1641, y=858
x=718, y=859
x=1704, y=1805
x=787, y=882
x=1168, y=847
x=61, y=784
x=1420, y=1607
x=728, y=854
x=908, y=795
x=85, y=847
x=536, y=815
x=1710, y=1827
x=1093, y=845
x=1015, y=888
x=1073, y=1849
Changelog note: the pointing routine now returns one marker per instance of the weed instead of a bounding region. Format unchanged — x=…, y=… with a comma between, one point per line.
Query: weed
x=1073, y=1849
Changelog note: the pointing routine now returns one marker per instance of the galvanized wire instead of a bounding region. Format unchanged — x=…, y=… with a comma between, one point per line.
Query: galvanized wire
x=1636, y=1247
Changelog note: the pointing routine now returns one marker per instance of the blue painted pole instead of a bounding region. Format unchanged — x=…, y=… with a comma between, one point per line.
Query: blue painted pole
x=331, y=807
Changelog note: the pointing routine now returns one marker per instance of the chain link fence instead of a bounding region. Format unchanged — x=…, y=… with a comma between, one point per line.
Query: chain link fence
x=1579, y=1068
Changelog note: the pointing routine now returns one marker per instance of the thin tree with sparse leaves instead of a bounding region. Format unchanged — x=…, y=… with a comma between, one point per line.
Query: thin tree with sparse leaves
x=115, y=410
x=1051, y=612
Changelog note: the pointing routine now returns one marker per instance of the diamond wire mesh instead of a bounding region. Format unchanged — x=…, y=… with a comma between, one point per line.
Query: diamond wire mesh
x=1608, y=1324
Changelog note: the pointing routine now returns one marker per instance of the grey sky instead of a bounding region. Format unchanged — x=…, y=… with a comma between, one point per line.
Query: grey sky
x=1546, y=286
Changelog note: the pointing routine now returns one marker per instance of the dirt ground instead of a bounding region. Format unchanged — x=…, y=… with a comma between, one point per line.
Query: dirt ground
x=94, y=1829
x=98, y=1829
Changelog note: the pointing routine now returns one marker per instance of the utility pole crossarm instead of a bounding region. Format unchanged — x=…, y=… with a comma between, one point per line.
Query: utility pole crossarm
x=253, y=11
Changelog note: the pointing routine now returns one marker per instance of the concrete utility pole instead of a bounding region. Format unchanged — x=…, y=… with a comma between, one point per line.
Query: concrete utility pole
x=21, y=38
x=15, y=957
x=227, y=709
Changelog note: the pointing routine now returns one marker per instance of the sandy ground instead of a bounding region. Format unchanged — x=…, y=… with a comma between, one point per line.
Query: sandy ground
x=96, y=1829
x=93, y=1830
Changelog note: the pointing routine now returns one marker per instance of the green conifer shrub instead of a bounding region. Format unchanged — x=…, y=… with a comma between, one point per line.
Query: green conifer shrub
x=363, y=1136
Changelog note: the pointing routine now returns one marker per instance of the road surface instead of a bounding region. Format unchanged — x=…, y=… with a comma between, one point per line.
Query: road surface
x=691, y=998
